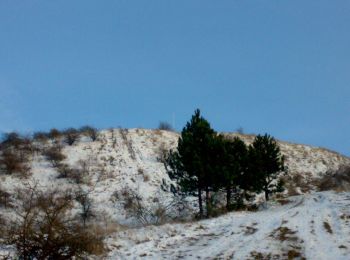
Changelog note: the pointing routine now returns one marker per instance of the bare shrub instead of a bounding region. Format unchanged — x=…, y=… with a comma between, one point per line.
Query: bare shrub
x=335, y=180
x=90, y=132
x=3, y=229
x=162, y=153
x=45, y=229
x=146, y=178
x=15, y=142
x=12, y=139
x=14, y=162
x=54, y=134
x=5, y=199
x=155, y=213
x=54, y=155
x=71, y=135
x=165, y=126
x=85, y=202
x=73, y=174
x=41, y=136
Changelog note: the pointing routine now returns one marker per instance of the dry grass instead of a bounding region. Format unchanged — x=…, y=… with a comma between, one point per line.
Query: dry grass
x=261, y=256
x=292, y=254
x=283, y=201
x=327, y=227
x=284, y=234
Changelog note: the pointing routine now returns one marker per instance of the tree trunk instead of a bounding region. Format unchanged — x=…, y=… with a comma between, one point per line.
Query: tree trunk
x=266, y=195
x=207, y=201
x=200, y=202
x=228, y=198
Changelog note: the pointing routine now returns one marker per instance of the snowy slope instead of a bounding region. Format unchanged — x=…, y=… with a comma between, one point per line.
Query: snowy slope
x=123, y=159
x=313, y=226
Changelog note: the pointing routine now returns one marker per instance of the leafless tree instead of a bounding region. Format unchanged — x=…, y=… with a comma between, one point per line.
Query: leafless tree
x=86, y=213
x=45, y=229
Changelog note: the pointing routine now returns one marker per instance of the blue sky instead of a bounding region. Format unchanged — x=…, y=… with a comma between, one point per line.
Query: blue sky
x=281, y=67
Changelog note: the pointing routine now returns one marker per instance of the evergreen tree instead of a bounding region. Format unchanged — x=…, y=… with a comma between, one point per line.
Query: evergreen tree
x=234, y=169
x=191, y=165
x=265, y=165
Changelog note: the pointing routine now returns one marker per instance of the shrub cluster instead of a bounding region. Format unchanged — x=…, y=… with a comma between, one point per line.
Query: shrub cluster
x=44, y=228
x=15, y=153
x=54, y=155
x=69, y=136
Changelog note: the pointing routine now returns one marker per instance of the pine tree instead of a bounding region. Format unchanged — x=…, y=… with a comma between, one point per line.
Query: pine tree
x=235, y=169
x=191, y=165
x=265, y=165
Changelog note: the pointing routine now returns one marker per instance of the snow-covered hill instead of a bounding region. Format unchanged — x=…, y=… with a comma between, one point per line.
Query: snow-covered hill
x=123, y=162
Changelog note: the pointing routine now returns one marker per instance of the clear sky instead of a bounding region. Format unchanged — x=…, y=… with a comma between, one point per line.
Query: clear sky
x=281, y=67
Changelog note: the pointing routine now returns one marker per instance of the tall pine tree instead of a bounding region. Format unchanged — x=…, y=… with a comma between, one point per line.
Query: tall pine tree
x=265, y=165
x=235, y=172
x=191, y=164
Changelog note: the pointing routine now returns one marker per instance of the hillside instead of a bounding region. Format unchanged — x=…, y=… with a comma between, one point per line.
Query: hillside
x=122, y=163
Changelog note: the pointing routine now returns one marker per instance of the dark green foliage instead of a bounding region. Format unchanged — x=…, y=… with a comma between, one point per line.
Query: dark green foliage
x=233, y=171
x=190, y=165
x=208, y=162
x=265, y=165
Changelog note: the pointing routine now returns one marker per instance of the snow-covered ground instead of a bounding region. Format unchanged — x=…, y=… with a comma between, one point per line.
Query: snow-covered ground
x=314, y=226
x=127, y=160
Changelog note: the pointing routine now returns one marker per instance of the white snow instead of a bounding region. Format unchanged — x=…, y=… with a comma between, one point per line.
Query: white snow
x=274, y=232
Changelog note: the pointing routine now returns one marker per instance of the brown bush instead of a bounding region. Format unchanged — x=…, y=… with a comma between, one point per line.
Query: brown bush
x=5, y=199
x=44, y=229
x=54, y=155
x=335, y=180
x=165, y=126
x=12, y=139
x=54, y=134
x=74, y=174
x=41, y=136
x=90, y=132
x=14, y=162
x=162, y=153
x=85, y=202
x=71, y=135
